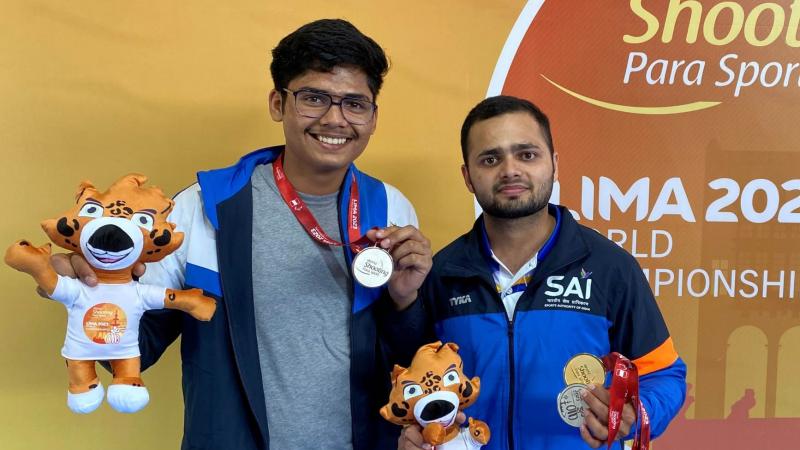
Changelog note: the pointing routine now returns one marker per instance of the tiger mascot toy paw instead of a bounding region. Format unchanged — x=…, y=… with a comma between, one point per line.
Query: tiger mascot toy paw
x=113, y=231
x=430, y=392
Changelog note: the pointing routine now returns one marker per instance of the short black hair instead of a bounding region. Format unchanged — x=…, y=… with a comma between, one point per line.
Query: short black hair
x=324, y=44
x=497, y=106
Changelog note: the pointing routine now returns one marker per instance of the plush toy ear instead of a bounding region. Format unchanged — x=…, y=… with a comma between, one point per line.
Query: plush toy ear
x=135, y=179
x=85, y=184
x=453, y=346
x=396, y=372
x=476, y=385
x=384, y=412
x=170, y=205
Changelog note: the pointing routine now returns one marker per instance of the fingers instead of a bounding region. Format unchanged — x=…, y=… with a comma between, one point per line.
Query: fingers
x=372, y=234
x=628, y=419
x=595, y=425
x=600, y=392
x=139, y=269
x=412, y=254
x=589, y=439
x=596, y=397
x=83, y=270
x=71, y=265
x=393, y=235
x=62, y=265
x=408, y=247
x=411, y=439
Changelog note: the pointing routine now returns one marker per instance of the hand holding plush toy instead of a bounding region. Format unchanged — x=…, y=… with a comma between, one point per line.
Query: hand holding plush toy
x=431, y=392
x=113, y=230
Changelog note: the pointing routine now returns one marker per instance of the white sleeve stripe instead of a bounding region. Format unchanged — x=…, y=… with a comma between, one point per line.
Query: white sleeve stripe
x=399, y=209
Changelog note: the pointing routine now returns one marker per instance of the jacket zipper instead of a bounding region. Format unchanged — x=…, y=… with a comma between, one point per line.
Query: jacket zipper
x=511, y=352
x=511, y=367
x=511, y=385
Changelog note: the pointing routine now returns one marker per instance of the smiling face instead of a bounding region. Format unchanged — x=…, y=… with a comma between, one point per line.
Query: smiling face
x=329, y=143
x=116, y=228
x=510, y=168
x=432, y=389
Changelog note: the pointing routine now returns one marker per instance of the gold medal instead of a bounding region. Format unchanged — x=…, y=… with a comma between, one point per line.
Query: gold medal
x=585, y=369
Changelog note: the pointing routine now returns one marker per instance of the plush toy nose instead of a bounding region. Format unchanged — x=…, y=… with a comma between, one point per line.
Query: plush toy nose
x=110, y=238
x=436, y=409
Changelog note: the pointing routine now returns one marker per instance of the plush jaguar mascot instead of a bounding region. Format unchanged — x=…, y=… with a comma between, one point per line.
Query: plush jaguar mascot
x=431, y=392
x=113, y=230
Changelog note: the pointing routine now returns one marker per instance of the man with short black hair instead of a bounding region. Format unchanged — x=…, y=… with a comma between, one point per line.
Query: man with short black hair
x=528, y=288
x=295, y=356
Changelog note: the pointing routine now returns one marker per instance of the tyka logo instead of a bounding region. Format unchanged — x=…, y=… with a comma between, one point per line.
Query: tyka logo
x=580, y=286
x=460, y=300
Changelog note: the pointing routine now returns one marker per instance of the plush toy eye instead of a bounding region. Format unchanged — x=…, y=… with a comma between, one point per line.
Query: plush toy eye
x=411, y=391
x=451, y=378
x=91, y=210
x=144, y=220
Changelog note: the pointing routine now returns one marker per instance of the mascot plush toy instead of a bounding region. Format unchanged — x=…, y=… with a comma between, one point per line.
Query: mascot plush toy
x=431, y=392
x=113, y=230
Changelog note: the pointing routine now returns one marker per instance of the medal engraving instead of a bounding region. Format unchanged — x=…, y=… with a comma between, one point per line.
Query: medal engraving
x=372, y=267
x=584, y=368
x=571, y=405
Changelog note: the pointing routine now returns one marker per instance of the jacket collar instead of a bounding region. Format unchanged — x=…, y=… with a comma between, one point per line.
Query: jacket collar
x=565, y=247
x=541, y=254
x=218, y=185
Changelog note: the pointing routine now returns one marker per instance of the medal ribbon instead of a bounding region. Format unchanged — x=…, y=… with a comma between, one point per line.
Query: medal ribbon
x=303, y=215
x=642, y=441
x=625, y=387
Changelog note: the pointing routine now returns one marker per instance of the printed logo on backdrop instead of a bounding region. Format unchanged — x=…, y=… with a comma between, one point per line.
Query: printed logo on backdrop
x=675, y=124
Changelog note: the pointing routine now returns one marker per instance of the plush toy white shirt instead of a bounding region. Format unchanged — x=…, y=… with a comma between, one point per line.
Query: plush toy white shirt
x=103, y=321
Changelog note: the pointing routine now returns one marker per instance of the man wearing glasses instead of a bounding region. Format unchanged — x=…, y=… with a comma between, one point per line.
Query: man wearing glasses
x=294, y=357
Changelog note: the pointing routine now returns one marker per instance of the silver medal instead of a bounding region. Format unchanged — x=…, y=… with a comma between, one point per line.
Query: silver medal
x=372, y=267
x=571, y=405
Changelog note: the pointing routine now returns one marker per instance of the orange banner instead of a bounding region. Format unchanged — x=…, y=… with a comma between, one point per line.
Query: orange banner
x=675, y=126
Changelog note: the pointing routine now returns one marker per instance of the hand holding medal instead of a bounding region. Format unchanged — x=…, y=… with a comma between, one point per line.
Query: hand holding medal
x=603, y=414
x=412, y=255
x=402, y=251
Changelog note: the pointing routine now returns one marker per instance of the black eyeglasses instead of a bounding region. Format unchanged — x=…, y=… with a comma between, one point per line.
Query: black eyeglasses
x=314, y=105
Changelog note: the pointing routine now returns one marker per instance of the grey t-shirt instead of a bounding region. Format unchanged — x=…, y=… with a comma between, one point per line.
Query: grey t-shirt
x=301, y=291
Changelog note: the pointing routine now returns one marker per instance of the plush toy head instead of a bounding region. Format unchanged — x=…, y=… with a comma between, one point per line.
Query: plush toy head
x=432, y=390
x=116, y=228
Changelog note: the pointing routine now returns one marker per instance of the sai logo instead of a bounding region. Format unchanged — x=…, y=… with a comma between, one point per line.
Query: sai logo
x=558, y=287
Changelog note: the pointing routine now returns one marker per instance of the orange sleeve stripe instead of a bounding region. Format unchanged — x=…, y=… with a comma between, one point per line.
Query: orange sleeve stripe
x=661, y=357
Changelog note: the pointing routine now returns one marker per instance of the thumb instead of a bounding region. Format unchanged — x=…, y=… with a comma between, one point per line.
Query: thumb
x=139, y=269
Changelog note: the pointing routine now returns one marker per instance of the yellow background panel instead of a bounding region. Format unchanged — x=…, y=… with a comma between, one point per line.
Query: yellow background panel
x=92, y=89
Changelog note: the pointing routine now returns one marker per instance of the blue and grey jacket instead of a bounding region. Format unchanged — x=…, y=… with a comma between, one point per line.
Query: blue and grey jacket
x=223, y=394
x=586, y=296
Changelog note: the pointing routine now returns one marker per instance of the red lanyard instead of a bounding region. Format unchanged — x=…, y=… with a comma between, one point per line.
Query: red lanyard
x=306, y=218
x=624, y=387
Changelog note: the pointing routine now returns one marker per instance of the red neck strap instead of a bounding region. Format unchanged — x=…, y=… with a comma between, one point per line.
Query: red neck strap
x=303, y=215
